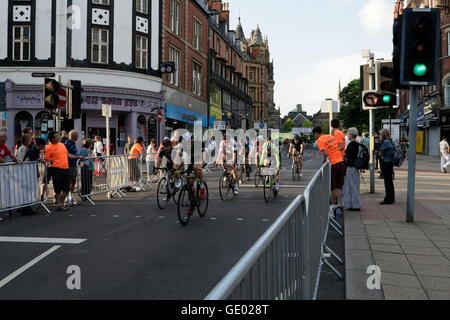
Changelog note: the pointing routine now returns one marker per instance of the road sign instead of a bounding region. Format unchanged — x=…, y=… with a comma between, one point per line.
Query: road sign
x=43, y=75
x=106, y=111
x=219, y=125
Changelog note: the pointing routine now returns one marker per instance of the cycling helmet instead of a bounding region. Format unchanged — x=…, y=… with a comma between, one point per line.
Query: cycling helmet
x=297, y=137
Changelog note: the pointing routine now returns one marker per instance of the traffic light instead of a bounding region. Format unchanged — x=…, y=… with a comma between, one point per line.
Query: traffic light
x=420, y=47
x=376, y=100
x=396, y=55
x=52, y=94
x=384, y=78
x=167, y=67
x=74, y=109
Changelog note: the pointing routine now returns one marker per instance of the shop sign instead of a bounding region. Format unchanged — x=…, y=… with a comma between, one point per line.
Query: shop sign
x=29, y=100
x=121, y=102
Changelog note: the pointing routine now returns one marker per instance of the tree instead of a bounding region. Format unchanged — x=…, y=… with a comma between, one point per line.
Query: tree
x=352, y=114
x=288, y=125
x=307, y=124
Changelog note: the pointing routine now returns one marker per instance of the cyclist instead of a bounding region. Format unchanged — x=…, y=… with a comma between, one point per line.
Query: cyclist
x=166, y=152
x=197, y=168
x=225, y=149
x=297, y=147
x=271, y=150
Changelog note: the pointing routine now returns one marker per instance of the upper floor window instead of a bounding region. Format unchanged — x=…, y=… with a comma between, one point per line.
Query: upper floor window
x=218, y=46
x=174, y=56
x=100, y=45
x=197, y=34
x=104, y=2
x=174, y=21
x=141, y=52
x=21, y=45
x=196, y=79
x=142, y=6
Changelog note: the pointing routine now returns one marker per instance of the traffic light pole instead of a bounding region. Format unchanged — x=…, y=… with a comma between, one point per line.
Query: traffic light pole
x=371, y=129
x=412, y=155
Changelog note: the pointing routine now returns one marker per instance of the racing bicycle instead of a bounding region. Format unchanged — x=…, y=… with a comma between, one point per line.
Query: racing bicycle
x=189, y=198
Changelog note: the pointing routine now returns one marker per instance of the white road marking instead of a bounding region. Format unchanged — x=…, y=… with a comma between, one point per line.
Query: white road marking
x=42, y=240
x=18, y=272
x=281, y=186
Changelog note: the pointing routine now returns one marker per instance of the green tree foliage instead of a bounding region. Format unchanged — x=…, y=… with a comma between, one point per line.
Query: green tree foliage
x=352, y=115
x=288, y=125
x=307, y=124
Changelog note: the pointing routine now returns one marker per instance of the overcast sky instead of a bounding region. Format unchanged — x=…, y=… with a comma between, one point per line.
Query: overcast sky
x=314, y=43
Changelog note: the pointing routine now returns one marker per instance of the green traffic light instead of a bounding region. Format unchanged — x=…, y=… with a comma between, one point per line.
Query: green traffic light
x=386, y=99
x=420, y=69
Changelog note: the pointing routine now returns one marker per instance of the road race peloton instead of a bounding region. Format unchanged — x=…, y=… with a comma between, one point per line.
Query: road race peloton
x=180, y=152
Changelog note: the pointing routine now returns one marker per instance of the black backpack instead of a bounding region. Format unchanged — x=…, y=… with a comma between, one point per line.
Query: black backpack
x=363, y=158
x=399, y=157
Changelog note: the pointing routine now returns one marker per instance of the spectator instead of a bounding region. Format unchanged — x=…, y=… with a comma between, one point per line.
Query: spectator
x=351, y=199
x=387, y=166
x=57, y=156
x=445, y=155
x=330, y=148
x=338, y=134
x=366, y=138
x=98, y=147
x=128, y=146
x=87, y=167
x=64, y=136
x=151, y=158
x=4, y=151
x=25, y=143
x=27, y=131
x=133, y=161
x=34, y=151
x=73, y=172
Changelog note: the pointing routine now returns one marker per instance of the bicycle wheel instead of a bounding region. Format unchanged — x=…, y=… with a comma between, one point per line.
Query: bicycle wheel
x=257, y=178
x=268, y=184
x=242, y=173
x=224, y=187
x=184, y=206
x=162, y=194
x=202, y=207
x=175, y=193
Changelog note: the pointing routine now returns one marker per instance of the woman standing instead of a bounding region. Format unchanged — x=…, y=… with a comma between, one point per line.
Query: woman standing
x=351, y=200
x=150, y=160
x=87, y=169
x=387, y=166
x=25, y=144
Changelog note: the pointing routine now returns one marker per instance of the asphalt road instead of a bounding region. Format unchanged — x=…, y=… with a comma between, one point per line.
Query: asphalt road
x=129, y=249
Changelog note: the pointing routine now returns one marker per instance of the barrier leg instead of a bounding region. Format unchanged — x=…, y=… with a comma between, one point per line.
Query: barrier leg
x=336, y=228
x=333, y=269
x=339, y=259
x=45, y=208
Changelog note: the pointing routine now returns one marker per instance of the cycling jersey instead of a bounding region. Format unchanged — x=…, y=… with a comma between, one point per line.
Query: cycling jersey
x=168, y=155
x=298, y=145
x=270, y=151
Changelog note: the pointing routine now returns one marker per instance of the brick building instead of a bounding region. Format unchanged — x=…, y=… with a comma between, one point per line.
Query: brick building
x=433, y=101
x=228, y=86
x=185, y=42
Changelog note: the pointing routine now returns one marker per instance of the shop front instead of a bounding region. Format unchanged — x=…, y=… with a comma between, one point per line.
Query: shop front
x=444, y=122
x=135, y=113
x=180, y=118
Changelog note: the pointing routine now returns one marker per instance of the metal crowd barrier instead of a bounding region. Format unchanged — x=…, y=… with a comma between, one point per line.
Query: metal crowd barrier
x=20, y=186
x=285, y=263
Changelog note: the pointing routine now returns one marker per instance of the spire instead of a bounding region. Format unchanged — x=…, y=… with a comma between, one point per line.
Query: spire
x=239, y=31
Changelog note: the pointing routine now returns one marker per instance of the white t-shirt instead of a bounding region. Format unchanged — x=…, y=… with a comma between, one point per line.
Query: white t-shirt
x=151, y=153
x=444, y=148
x=98, y=148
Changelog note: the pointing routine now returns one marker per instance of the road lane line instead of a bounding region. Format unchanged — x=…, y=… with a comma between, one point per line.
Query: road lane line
x=18, y=272
x=281, y=186
x=42, y=240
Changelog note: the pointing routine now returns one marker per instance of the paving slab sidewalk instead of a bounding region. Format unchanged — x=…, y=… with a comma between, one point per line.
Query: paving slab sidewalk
x=414, y=258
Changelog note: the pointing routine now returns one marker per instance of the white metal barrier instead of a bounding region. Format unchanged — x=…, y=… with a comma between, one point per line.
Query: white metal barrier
x=286, y=262
x=20, y=185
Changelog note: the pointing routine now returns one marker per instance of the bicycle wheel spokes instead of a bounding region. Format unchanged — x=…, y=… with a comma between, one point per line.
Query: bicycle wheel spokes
x=267, y=188
x=224, y=188
x=203, y=204
x=162, y=194
x=184, y=207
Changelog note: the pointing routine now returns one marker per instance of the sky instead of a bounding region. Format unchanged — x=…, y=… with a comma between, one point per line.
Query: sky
x=315, y=43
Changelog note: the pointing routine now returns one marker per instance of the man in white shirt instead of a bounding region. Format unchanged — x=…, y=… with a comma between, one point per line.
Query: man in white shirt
x=445, y=155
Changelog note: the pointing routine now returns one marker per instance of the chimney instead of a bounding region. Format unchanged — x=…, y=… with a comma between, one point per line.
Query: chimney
x=299, y=108
x=225, y=15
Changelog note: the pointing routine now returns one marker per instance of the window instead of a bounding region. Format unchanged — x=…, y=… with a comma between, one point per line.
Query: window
x=226, y=54
x=197, y=34
x=218, y=46
x=21, y=45
x=174, y=56
x=142, y=6
x=174, y=21
x=104, y=2
x=196, y=79
x=100, y=43
x=447, y=92
x=141, y=52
